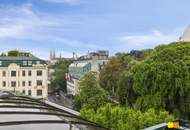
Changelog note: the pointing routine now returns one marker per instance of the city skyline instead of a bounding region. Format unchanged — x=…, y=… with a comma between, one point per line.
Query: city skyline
x=82, y=25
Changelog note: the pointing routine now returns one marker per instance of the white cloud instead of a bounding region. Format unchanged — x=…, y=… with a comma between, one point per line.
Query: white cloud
x=11, y=31
x=147, y=40
x=72, y=43
x=23, y=26
x=18, y=20
x=71, y=2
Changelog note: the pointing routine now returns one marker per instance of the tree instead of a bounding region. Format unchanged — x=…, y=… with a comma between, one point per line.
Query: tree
x=59, y=82
x=110, y=74
x=125, y=91
x=124, y=118
x=162, y=81
x=13, y=53
x=91, y=95
x=116, y=77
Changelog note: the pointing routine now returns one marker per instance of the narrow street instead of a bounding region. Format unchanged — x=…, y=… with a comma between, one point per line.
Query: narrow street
x=61, y=100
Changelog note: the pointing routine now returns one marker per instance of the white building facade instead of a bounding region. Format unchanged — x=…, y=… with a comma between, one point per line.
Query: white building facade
x=91, y=62
x=24, y=75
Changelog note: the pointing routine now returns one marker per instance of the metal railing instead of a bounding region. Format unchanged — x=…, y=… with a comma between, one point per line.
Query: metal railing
x=173, y=125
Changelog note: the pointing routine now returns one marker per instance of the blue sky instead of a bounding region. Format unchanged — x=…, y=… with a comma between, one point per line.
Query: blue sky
x=89, y=25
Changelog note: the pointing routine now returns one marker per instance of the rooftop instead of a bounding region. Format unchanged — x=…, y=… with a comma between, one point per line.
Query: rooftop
x=101, y=54
x=19, y=58
x=19, y=112
x=23, y=59
x=82, y=64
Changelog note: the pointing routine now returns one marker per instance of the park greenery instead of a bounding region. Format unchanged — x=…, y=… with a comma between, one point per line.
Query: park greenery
x=91, y=96
x=135, y=90
x=150, y=86
x=124, y=118
x=159, y=80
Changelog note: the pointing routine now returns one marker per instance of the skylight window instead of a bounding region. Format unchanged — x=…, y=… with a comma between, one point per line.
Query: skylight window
x=37, y=62
x=30, y=63
x=25, y=63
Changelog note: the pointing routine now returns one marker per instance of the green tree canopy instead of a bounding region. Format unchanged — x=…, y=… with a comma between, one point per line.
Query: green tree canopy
x=125, y=92
x=91, y=95
x=162, y=81
x=110, y=74
x=13, y=53
x=59, y=81
x=124, y=118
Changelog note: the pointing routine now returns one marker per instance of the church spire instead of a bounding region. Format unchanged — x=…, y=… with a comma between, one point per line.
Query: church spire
x=54, y=55
x=50, y=54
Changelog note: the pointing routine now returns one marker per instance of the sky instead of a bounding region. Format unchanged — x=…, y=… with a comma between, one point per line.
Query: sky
x=80, y=26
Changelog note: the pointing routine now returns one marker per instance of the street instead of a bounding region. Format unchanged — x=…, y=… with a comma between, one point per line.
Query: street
x=61, y=99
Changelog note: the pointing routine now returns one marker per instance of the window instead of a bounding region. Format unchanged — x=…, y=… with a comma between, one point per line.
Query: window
x=24, y=63
x=29, y=63
x=39, y=73
x=23, y=91
x=37, y=62
x=0, y=63
x=29, y=83
x=4, y=73
x=23, y=73
x=39, y=82
x=29, y=73
x=39, y=92
x=13, y=83
x=13, y=73
x=29, y=92
x=4, y=84
x=23, y=83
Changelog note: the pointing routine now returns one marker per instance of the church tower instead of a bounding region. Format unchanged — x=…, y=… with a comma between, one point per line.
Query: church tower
x=50, y=54
x=54, y=55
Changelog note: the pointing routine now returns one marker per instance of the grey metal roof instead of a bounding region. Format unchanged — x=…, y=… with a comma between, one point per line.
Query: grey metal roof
x=7, y=60
x=25, y=113
x=183, y=125
x=18, y=58
x=159, y=126
x=80, y=64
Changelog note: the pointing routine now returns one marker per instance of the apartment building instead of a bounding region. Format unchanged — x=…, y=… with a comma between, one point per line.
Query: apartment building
x=24, y=74
x=93, y=61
